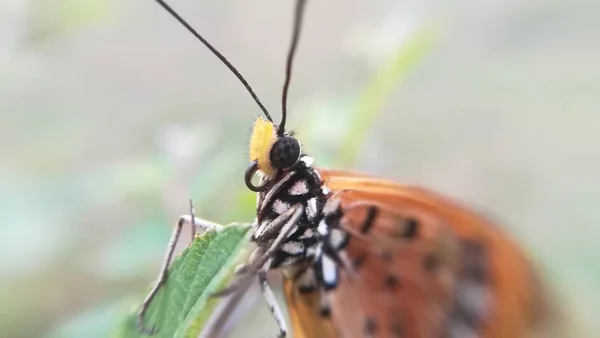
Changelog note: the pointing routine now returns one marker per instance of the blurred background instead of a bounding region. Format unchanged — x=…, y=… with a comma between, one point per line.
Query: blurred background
x=112, y=115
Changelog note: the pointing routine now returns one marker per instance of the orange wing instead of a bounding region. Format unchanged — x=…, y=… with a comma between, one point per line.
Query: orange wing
x=413, y=259
x=304, y=316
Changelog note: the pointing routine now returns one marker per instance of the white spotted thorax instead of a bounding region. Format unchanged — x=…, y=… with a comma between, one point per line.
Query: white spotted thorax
x=301, y=255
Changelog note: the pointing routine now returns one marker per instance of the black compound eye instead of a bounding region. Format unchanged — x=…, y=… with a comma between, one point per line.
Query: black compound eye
x=285, y=152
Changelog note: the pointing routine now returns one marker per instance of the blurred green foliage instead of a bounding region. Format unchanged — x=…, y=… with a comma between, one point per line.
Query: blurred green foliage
x=385, y=81
x=59, y=17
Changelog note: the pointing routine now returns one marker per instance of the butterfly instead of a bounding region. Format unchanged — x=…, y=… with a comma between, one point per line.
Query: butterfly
x=364, y=256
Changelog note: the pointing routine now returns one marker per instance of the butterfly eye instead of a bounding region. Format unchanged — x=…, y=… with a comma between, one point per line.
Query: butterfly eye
x=285, y=152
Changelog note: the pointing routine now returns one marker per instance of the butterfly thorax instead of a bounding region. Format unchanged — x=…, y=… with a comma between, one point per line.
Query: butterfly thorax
x=309, y=251
x=299, y=186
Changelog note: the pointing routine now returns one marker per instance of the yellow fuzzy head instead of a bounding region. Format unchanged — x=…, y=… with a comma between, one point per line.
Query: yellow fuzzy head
x=264, y=135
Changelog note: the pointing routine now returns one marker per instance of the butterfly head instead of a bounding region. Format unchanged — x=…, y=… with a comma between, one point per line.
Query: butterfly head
x=271, y=150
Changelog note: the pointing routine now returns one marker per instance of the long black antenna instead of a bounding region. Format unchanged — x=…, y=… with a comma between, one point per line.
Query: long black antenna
x=219, y=55
x=299, y=14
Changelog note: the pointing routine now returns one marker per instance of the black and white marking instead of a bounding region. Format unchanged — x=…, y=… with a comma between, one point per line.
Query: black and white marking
x=472, y=295
x=310, y=250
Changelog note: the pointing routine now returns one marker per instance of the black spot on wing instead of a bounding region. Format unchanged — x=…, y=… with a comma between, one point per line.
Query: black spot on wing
x=370, y=326
x=396, y=330
x=359, y=261
x=325, y=311
x=387, y=257
x=475, y=264
x=369, y=220
x=392, y=282
x=412, y=226
x=431, y=262
x=307, y=289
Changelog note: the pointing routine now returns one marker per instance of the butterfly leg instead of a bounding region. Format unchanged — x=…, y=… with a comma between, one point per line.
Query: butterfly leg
x=259, y=262
x=272, y=302
x=198, y=224
x=266, y=233
x=264, y=262
x=245, y=268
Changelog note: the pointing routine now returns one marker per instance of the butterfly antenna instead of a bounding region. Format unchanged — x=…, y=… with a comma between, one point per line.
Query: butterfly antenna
x=217, y=54
x=299, y=14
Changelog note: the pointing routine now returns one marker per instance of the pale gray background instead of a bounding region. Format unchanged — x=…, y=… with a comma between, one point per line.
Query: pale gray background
x=501, y=114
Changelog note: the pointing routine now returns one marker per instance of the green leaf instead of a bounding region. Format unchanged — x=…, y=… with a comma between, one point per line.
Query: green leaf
x=184, y=303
